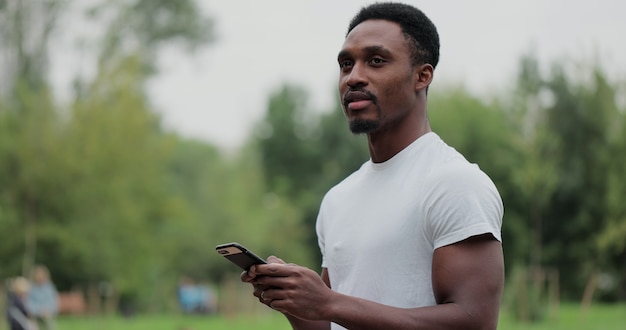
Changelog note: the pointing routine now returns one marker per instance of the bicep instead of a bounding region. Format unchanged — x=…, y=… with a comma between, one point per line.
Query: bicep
x=470, y=273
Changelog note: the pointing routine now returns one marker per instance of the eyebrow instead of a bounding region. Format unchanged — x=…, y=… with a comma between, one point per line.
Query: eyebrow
x=369, y=50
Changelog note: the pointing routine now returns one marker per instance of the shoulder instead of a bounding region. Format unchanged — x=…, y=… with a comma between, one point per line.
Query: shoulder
x=460, y=175
x=462, y=201
x=448, y=170
x=461, y=185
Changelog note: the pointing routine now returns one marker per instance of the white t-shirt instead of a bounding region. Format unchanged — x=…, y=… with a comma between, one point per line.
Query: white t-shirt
x=379, y=227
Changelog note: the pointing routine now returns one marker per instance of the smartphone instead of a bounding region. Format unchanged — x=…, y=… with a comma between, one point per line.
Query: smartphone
x=239, y=255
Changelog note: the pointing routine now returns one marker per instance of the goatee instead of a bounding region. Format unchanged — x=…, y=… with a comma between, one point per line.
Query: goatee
x=360, y=126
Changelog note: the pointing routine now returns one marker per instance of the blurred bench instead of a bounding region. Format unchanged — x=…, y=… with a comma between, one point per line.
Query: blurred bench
x=72, y=302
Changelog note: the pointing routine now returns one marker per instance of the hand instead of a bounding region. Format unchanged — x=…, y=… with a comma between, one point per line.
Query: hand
x=293, y=290
x=250, y=276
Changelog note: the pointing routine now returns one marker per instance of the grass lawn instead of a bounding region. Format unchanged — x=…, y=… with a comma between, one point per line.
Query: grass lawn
x=605, y=317
x=175, y=322
x=570, y=317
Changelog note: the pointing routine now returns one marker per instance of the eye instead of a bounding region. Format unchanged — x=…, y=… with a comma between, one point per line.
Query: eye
x=377, y=61
x=345, y=64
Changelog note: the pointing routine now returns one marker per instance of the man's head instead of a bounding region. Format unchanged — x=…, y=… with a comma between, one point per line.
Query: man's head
x=386, y=65
x=20, y=286
x=41, y=274
x=420, y=32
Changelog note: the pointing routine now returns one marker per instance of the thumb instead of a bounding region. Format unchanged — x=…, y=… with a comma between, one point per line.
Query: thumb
x=275, y=260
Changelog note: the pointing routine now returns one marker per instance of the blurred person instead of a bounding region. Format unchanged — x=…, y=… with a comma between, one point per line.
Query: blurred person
x=412, y=239
x=186, y=295
x=17, y=314
x=43, y=299
x=195, y=298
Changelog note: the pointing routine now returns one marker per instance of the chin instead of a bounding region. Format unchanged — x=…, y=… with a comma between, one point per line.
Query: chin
x=362, y=126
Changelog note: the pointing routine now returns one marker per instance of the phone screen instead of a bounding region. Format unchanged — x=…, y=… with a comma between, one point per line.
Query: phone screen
x=239, y=255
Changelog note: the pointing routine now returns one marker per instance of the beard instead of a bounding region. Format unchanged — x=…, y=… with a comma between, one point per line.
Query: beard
x=363, y=126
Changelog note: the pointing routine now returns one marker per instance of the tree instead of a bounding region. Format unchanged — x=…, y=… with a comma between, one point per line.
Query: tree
x=25, y=30
x=569, y=133
x=86, y=185
x=143, y=27
x=28, y=148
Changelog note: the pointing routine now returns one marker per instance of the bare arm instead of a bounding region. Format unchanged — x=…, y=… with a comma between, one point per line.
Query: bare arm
x=467, y=279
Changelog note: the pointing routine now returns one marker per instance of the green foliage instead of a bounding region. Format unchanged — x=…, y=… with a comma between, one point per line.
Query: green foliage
x=255, y=216
x=285, y=142
x=531, y=294
x=115, y=182
x=87, y=189
x=28, y=149
x=575, y=122
x=611, y=240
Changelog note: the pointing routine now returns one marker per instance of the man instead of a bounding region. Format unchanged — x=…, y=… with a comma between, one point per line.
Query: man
x=412, y=239
x=43, y=298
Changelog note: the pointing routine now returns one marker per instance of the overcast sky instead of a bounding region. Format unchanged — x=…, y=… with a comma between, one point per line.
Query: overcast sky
x=219, y=93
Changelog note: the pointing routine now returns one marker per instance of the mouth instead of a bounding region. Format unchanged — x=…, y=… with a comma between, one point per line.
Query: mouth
x=357, y=100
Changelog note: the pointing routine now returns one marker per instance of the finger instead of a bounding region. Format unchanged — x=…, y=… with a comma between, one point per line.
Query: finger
x=273, y=282
x=245, y=277
x=258, y=290
x=275, y=270
x=275, y=305
x=249, y=275
x=264, y=299
x=275, y=260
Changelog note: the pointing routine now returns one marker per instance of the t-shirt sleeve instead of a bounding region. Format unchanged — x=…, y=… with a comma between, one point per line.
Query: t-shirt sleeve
x=463, y=202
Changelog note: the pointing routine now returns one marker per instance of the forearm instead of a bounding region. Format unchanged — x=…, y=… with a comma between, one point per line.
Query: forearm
x=299, y=324
x=353, y=313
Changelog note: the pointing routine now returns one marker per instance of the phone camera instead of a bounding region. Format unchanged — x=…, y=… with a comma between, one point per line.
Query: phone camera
x=222, y=252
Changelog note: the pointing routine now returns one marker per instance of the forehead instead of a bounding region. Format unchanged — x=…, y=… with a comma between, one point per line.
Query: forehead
x=379, y=33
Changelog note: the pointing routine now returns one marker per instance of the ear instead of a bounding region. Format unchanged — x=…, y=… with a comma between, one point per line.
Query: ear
x=423, y=76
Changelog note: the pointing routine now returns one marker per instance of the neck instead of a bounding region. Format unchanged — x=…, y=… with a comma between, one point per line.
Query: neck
x=383, y=145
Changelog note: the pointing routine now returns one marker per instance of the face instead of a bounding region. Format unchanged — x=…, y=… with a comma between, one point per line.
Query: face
x=377, y=79
x=41, y=275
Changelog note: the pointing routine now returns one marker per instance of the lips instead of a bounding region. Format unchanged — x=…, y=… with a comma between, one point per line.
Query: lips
x=358, y=105
x=357, y=100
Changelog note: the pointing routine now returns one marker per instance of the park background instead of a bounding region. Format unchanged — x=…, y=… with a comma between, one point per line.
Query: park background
x=137, y=135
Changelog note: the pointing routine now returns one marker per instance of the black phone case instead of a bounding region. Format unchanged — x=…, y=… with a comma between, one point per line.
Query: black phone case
x=239, y=255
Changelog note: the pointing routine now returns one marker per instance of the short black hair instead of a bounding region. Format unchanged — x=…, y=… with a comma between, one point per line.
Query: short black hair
x=420, y=32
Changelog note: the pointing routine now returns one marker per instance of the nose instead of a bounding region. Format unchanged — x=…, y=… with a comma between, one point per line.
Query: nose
x=356, y=77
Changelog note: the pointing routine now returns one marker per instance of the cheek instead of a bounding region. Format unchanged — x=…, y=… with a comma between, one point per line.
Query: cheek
x=395, y=92
x=342, y=86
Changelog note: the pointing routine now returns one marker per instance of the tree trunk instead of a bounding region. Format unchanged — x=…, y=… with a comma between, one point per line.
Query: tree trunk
x=30, y=242
x=590, y=289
